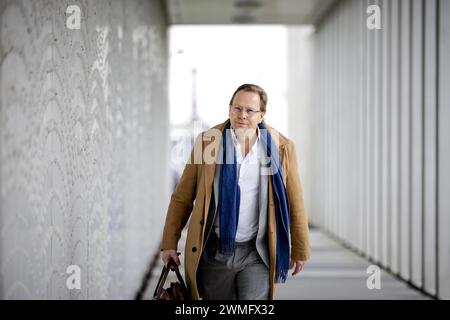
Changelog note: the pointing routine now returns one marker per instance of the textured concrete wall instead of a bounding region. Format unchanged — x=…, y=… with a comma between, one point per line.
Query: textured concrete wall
x=84, y=146
x=381, y=146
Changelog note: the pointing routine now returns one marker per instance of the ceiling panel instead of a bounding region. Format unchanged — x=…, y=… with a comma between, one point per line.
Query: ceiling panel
x=247, y=11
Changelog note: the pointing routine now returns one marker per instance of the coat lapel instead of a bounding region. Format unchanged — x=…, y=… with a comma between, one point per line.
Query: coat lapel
x=210, y=169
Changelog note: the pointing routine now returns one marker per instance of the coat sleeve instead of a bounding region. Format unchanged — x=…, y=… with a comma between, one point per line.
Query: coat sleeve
x=182, y=200
x=298, y=217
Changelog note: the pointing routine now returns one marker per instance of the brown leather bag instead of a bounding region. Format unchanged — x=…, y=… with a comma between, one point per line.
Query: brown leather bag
x=176, y=291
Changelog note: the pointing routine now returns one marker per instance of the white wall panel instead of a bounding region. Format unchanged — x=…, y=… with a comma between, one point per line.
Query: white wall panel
x=405, y=139
x=417, y=143
x=363, y=172
x=377, y=121
x=430, y=145
x=394, y=150
x=384, y=106
x=385, y=120
x=444, y=151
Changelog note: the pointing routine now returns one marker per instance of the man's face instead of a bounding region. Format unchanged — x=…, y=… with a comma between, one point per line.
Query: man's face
x=245, y=113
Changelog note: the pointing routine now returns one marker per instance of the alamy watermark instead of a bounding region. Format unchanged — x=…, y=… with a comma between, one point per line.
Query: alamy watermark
x=208, y=148
x=373, y=21
x=73, y=281
x=374, y=280
x=73, y=21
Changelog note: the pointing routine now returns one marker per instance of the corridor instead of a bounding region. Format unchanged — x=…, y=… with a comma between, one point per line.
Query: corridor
x=101, y=101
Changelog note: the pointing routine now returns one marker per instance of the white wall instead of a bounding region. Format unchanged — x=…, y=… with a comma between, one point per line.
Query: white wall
x=84, y=146
x=380, y=160
x=299, y=73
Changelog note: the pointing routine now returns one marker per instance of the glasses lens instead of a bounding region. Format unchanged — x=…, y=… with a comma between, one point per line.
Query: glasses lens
x=238, y=110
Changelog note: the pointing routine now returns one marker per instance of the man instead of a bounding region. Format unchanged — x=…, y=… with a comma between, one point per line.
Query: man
x=248, y=224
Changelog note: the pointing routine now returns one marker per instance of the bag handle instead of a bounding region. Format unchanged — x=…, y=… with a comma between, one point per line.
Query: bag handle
x=161, y=281
x=171, y=265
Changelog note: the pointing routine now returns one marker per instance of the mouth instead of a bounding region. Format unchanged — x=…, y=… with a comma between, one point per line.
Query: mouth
x=241, y=124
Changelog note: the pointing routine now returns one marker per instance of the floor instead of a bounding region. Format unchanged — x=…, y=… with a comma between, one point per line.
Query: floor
x=333, y=272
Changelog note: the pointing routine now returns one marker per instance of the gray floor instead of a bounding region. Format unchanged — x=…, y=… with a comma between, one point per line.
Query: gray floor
x=333, y=272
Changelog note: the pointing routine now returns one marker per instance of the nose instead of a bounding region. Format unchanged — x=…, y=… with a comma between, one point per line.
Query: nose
x=243, y=114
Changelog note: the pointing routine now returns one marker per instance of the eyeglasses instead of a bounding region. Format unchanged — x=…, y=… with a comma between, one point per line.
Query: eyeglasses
x=250, y=111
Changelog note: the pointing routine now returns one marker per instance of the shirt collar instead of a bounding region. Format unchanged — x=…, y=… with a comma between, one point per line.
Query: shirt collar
x=236, y=142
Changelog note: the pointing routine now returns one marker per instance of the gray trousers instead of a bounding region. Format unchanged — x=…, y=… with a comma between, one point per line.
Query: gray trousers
x=242, y=276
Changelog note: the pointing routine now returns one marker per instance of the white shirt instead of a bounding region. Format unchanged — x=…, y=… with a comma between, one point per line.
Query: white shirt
x=249, y=178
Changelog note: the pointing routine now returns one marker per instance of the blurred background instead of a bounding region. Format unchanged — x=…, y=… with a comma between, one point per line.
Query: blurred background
x=97, y=121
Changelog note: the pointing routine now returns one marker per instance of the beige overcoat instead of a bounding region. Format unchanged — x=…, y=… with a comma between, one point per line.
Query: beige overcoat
x=192, y=196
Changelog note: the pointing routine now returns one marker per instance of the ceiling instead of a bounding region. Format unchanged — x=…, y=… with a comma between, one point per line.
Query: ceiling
x=247, y=11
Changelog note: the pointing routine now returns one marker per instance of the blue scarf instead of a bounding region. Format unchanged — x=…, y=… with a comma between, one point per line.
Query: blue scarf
x=229, y=201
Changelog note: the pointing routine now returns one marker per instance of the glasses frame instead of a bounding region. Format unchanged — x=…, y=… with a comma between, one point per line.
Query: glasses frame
x=240, y=109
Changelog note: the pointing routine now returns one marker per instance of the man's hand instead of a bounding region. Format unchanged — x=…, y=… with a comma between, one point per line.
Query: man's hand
x=167, y=254
x=298, y=266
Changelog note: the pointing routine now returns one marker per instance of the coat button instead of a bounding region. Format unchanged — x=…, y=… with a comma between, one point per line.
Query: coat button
x=194, y=249
x=202, y=222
